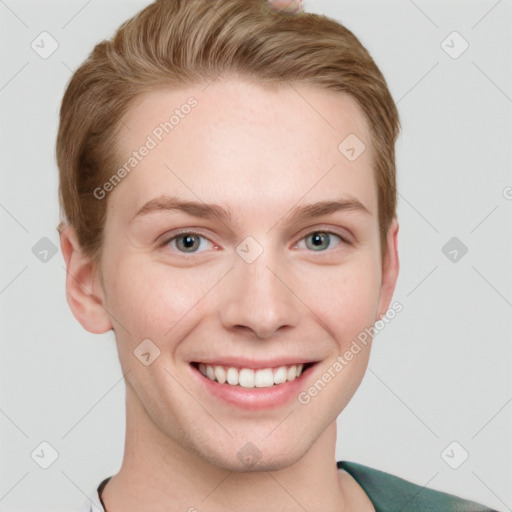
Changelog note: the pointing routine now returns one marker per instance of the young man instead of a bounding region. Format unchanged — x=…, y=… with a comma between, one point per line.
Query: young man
x=227, y=181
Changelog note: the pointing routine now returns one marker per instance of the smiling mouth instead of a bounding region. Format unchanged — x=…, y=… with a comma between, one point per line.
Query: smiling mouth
x=252, y=378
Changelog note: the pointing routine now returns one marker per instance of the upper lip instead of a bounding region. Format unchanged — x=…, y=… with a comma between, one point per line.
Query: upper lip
x=237, y=362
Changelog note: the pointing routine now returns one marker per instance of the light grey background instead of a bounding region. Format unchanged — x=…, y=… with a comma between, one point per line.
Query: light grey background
x=439, y=372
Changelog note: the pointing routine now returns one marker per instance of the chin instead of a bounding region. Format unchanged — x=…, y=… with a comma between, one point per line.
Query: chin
x=242, y=456
x=269, y=462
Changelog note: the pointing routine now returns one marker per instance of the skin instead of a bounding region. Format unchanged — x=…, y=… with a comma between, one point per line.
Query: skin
x=259, y=151
x=286, y=6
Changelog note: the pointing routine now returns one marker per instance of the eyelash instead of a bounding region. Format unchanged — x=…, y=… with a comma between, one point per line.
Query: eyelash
x=175, y=236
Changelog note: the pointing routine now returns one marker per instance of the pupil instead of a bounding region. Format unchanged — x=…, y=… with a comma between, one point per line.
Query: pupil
x=188, y=242
x=319, y=240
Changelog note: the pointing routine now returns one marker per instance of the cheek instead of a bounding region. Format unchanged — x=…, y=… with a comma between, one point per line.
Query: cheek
x=150, y=298
x=345, y=298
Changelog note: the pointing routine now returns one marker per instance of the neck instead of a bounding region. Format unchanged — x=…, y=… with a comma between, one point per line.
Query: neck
x=158, y=474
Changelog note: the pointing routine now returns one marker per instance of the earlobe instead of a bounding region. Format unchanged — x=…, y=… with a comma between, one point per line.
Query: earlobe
x=83, y=290
x=390, y=270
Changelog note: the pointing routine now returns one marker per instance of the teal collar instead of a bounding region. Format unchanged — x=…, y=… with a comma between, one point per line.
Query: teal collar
x=389, y=493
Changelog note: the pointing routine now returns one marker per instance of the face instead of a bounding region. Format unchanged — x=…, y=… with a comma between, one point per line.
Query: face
x=215, y=255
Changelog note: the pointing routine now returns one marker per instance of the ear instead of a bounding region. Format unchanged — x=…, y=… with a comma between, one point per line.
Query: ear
x=390, y=269
x=84, y=290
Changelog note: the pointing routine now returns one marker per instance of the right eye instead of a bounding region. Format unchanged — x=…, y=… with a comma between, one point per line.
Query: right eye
x=186, y=242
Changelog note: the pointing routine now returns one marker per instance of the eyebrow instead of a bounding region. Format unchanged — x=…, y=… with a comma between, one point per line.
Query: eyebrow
x=204, y=210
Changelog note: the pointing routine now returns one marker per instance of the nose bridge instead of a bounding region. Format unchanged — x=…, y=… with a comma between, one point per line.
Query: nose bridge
x=259, y=297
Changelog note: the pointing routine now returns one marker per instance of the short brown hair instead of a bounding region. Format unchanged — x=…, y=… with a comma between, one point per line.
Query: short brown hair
x=183, y=42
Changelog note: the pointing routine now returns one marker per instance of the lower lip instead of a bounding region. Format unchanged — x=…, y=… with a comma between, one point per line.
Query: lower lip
x=253, y=399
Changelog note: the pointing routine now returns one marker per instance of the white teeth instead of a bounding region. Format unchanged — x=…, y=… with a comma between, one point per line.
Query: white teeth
x=249, y=378
x=246, y=378
x=263, y=378
x=292, y=372
x=220, y=374
x=280, y=375
x=232, y=376
x=209, y=372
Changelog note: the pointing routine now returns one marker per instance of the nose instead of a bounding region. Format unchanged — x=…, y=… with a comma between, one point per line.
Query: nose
x=258, y=297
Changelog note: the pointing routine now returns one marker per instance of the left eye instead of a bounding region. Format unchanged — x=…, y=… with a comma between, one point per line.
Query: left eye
x=320, y=240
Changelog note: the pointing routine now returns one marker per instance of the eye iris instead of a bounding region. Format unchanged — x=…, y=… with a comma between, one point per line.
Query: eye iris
x=318, y=240
x=190, y=242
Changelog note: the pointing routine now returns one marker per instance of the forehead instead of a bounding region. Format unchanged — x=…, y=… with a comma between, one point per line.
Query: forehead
x=256, y=145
